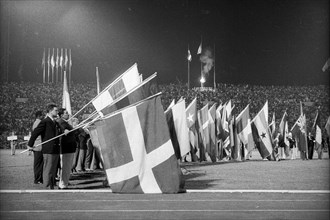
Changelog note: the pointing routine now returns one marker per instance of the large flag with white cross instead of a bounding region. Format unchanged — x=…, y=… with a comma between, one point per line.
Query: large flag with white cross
x=137, y=152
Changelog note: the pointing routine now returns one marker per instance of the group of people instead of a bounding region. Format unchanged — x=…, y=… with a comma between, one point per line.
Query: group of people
x=65, y=148
x=290, y=151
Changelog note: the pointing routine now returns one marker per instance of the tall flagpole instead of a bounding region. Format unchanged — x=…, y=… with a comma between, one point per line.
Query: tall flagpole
x=44, y=66
x=56, y=65
x=70, y=64
x=48, y=64
x=214, y=84
x=188, y=60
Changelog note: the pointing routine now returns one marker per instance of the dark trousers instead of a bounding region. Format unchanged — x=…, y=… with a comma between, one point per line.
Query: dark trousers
x=38, y=164
x=50, y=169
x=310, y=152
x=75, y=159
x=89, y=156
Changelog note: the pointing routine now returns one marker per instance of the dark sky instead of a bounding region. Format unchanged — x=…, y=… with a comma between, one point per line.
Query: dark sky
x=256, y=41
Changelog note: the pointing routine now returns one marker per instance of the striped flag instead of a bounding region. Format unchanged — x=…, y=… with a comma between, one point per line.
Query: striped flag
x=124, y=83
x=327, y=126
x=145, y=89
x=299, y=133
x=244, y=130
x=176, y=120
x=191, y=116
x=203, y=123
x=213, y=151
x=66, y=96
x=318, y=132
x=261, y=134
x=283, y=140
x=137, y=152
x=181, y=128
x=272, y=126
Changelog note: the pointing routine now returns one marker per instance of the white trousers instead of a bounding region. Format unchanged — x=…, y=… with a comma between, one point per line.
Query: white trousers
x=66, y=164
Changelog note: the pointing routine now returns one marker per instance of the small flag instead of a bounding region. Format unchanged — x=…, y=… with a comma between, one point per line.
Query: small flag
x=199, y=51
x=43, y=61
x=326, y=65
x=137, y=151
x=189, y=57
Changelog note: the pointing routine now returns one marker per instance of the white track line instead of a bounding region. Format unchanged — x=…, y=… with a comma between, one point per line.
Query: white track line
x=188, y=191
x=167, y=210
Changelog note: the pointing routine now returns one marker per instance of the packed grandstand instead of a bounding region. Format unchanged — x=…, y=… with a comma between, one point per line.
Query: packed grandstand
x=19, y=101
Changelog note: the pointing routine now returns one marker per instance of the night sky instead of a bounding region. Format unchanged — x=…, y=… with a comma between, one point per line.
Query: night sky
x=267, y=42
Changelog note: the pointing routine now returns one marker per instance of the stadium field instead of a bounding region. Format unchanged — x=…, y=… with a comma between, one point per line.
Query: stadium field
x=254, y=189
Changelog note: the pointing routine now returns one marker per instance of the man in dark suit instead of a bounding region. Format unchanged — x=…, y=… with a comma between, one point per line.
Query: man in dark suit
x=48, y=129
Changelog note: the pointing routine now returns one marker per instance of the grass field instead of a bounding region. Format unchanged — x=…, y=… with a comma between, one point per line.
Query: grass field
x=17, y=173
x=254, y=189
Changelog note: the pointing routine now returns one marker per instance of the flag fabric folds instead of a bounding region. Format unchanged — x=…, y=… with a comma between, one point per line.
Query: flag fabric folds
x=318, y=132
x=261, y=134
x=124, y=83
x=327, y=126
x=204, y=140
x=326, y=65
x=213, y=151
x=145, y=89
x=272, y=126
x=137, y=152
x=189, y=57
x=181, y=128
x=191, y=116
x=283, y=139
x=299, y=133
x=177, y=124
x=66, y=96
x=199, y=51
x=244, y=131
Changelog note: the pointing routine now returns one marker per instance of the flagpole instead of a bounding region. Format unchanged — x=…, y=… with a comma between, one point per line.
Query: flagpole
x=70, y=62
x=97, y=80
x=115, y=81
x=53, y=65
x=56, y=65
x=44, y=67
x=188, y=69
x=61, y=62
x=48, y=66
x=201, y=61
x=214, y=84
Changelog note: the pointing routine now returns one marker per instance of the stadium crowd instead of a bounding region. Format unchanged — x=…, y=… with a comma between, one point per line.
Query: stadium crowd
x=19, y=101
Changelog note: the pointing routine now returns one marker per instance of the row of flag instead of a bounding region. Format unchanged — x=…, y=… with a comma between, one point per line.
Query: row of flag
x=141, y=145
x=55, y=61
x=199, y=51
